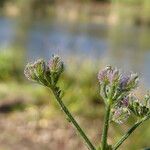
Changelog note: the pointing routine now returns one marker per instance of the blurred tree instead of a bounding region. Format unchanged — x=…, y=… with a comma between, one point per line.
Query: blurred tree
x=40, y=7
x=2, y=2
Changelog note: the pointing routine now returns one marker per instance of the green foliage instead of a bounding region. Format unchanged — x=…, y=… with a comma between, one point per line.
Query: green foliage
x=127, y=11
x=10, y=66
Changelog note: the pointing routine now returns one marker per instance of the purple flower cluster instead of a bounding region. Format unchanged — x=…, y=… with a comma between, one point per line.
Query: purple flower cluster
x=131, y=105
x=115, y=88
x=116, y=85
x=108, y=75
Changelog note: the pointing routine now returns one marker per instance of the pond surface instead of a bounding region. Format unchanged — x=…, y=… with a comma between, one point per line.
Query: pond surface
x=127, y=47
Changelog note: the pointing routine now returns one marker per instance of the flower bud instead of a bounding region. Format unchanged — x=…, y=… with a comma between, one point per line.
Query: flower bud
x=124, y=81
x=102, y=75
x=40, y=67
x=133, y=82
x=113, y=75
x=120, y=115
x=36, y=71
x=125, y=101
x=29, y=72
x=108, y=75
x=138, y=108
x=56, y=65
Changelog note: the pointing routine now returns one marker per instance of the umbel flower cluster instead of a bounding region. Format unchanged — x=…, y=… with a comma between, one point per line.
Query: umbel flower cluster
x=116, y=89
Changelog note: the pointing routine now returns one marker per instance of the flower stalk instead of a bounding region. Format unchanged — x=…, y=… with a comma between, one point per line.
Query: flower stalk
x=105, y=127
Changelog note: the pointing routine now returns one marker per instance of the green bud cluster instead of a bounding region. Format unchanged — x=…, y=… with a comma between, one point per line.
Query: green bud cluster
x=45, y=73
x=120, y=114
x=140, y=108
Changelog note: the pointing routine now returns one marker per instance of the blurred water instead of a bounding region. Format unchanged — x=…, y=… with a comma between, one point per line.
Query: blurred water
x=7, y=32
x=67, y=39
x=127, y=47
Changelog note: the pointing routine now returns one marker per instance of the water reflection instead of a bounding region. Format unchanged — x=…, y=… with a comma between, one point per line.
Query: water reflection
x=123, y=46
x=7, y=32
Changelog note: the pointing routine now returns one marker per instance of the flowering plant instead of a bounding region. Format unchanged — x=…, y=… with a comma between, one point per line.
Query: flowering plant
x=116, y=90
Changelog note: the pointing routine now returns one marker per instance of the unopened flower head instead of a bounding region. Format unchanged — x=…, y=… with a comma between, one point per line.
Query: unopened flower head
x=108, y=75
x=56, y=65
x=40, y=67
x=124, y=79
x=139, y=108
x=120, y=115
x=124, y=102
x=29, y=72
x=45, y=74
x=36, y=70
x=116, y=85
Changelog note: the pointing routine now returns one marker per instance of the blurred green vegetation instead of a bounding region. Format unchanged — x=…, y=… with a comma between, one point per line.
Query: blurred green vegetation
x=128, y=11
x=125, y=10
x=10, y=65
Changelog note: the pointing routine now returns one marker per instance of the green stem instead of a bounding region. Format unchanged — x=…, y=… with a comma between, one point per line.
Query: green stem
x=105, y=127
x=129, y=132
x=74, y=122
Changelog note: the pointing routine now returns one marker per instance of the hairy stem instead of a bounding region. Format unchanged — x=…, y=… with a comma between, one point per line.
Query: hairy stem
x=129, y=132
x=74, y=122
x=105, y=127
